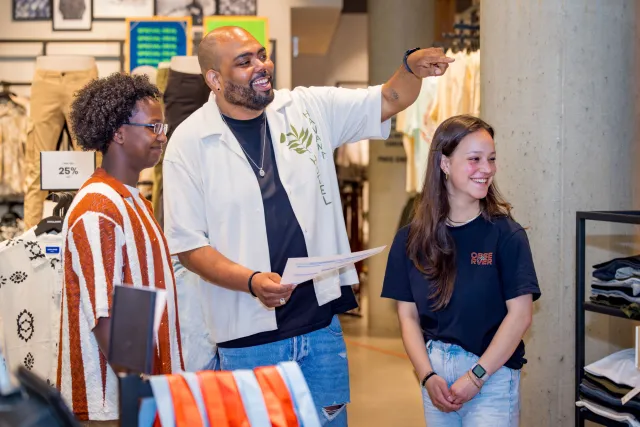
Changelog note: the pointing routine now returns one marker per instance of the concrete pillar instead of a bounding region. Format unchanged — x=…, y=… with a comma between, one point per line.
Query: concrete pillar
x=558, y=85
x=394, y=27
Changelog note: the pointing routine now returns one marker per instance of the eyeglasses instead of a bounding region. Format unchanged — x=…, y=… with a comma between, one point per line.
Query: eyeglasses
x=158, y=128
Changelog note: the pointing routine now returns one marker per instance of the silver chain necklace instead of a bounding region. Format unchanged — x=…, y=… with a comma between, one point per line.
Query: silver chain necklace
x=452, y=223
x=264, y=137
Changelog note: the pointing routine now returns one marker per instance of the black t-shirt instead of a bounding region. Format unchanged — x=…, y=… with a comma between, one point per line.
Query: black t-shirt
x=301, y=314
x=493, y=265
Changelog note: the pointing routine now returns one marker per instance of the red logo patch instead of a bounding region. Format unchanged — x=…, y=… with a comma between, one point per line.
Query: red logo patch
x=478, y=258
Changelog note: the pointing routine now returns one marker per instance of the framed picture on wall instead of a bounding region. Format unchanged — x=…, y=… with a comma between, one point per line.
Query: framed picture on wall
x=118, y=10
x=31, y=10
x=71, y=15
x=237, y=7
x=197, y=9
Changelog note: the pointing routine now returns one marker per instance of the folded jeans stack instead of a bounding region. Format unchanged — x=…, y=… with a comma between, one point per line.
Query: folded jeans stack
x=263, y=397
x=604, y=384
x=616, y=283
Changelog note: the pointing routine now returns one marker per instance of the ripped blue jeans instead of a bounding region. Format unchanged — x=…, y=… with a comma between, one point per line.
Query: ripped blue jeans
x=496, y=405
x=322, y=356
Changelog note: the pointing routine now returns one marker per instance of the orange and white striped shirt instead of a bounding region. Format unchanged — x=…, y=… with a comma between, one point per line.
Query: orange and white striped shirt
x=110, y=238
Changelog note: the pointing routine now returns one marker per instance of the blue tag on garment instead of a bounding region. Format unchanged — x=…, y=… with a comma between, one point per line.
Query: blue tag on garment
x=52, y=249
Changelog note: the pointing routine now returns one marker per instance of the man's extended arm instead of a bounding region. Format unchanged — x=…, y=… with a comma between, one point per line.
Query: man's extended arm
x=402, y=89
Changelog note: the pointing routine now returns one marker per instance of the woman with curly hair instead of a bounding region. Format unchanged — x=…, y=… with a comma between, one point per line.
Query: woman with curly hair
x=463, y=276
x=112, y=238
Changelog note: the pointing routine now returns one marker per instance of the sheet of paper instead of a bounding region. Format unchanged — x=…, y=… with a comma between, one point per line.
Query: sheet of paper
x=300, y=270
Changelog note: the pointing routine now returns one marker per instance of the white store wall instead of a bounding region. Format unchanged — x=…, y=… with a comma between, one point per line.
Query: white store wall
x=346, y=60
x=277, y=11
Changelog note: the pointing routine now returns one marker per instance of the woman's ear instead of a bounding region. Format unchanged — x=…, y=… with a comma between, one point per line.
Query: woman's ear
x=445, y=165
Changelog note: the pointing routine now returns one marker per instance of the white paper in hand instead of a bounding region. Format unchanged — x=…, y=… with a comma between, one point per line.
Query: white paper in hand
x=300, y=270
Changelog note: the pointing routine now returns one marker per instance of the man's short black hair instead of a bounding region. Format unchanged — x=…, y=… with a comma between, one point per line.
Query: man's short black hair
x=104, y=105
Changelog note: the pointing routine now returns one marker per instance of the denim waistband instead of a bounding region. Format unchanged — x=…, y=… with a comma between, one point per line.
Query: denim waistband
x=446, y=347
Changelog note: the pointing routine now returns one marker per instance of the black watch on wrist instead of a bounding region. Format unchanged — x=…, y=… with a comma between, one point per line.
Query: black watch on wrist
x=406, y=55
x=479, y=372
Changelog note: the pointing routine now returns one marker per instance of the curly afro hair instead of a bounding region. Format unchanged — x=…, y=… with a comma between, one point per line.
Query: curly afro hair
x=104, y=105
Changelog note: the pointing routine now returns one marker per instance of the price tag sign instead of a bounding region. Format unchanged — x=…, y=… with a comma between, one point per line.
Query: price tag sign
x=65, y=170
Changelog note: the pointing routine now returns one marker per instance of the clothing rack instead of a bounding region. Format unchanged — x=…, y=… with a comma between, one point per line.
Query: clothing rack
x=582, y=306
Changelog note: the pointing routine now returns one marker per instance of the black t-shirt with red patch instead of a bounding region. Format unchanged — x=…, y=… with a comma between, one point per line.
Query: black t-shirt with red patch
x=493, y=264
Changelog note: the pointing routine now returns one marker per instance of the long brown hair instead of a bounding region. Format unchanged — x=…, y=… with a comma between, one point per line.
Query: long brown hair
x=430, y=245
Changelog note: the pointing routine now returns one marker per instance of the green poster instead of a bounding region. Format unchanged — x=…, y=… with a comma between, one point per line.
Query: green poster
x=258, y=27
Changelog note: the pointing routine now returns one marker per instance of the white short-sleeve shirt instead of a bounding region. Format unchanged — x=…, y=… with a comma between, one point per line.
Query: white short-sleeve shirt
x=212, y=197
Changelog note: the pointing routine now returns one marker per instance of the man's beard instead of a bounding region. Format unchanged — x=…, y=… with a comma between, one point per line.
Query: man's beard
x=247, y=96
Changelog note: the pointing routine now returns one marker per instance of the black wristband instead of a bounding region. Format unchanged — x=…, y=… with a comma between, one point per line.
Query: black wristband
x=406, y=55
x=426, y=378
x=249, y=284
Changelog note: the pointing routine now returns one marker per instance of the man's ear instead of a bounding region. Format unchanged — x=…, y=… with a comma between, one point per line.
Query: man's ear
x=118, y=137
x=213, y=80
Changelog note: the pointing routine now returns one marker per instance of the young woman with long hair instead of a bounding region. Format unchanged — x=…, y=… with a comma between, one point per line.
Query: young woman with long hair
x=463, y=276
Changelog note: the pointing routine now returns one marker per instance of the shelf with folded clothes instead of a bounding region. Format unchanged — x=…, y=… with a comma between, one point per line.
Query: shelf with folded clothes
x=604, y=384
x=614, y=288
x=593, y=417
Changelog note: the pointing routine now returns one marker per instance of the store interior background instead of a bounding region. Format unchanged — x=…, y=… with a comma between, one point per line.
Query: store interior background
x=559, y=84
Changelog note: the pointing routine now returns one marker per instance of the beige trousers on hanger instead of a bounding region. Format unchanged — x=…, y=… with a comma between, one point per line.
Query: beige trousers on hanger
x=51, y=95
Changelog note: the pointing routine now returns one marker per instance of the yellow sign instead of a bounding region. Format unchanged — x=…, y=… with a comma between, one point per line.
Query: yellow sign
x=258, y=27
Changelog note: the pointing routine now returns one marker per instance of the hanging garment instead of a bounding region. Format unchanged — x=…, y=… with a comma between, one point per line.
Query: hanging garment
x=13, y=135
x=271, y=396
x=416, y=127
x=30, y=290
x=51, y=96
x=184, y=94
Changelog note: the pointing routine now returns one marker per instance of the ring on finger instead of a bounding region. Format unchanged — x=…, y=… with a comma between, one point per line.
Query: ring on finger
x=283, y=301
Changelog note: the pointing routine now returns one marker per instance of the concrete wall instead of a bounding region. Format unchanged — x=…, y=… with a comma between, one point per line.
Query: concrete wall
x=558, y=84
x=346, y=60
x=394, y=27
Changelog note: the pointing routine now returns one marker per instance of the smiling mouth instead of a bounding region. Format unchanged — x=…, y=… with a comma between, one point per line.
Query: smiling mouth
x=262, y=84
x=480, y=180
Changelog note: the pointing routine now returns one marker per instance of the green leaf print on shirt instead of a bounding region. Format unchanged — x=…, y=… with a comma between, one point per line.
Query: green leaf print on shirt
x=300, y=143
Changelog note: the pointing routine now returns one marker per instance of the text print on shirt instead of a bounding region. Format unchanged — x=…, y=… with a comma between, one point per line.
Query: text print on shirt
x=300, y=143
x=478, y=258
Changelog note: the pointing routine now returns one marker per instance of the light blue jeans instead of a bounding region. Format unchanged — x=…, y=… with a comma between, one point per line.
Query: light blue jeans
x=322, y=356
x=496, y=405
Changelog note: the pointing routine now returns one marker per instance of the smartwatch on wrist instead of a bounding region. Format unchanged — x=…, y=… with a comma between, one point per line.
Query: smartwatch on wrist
x=406, y=55
x=479, y=372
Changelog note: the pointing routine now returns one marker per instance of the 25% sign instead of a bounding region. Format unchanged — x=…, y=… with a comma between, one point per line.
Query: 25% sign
x=68, y=170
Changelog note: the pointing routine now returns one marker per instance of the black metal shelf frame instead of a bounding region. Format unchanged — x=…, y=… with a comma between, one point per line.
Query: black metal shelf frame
x=621, y=217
